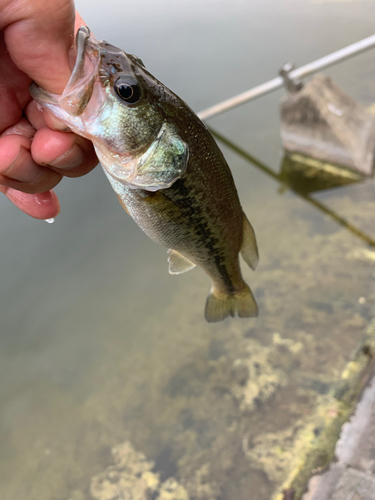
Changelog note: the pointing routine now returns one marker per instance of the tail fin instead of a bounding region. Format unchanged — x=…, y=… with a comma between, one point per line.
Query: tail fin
x=220, y=305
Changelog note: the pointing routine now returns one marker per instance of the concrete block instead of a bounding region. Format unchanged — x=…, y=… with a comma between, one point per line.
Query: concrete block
x=320, y=121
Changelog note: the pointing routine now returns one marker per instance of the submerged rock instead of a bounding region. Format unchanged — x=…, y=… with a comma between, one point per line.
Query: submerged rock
x=305, y=175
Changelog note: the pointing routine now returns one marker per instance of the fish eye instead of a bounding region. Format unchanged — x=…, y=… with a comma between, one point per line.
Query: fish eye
x=128, y=90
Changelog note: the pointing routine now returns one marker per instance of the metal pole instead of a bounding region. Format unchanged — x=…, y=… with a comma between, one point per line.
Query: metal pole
x=277, y=83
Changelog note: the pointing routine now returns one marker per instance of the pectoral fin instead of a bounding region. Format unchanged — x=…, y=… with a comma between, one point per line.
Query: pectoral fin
x=249, y=249
x=163, y=163
x=122, y=203
x=178, y=264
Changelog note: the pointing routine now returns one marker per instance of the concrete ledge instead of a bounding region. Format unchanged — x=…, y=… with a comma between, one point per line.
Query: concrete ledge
x=353, y=476
x=315, y=453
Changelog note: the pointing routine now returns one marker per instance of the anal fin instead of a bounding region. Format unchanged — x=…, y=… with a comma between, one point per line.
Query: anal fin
x=249, y=249
x=178, y=264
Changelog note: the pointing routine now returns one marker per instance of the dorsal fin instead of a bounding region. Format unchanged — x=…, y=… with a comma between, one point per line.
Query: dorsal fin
x=249, y=249
x=178, y=264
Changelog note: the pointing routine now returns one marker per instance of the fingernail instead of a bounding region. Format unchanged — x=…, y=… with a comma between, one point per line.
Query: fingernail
x=15, y=162
x=23, y=168
x=73, y=158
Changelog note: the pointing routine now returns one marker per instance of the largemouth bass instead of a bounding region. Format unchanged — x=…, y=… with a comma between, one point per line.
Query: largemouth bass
x=164, y=166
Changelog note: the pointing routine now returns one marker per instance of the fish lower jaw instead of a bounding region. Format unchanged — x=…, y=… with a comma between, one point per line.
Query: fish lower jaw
x=119, y=174
x=121, y=171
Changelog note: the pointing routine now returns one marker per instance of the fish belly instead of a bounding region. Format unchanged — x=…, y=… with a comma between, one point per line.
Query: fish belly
x=207, y=240
x=204, y=222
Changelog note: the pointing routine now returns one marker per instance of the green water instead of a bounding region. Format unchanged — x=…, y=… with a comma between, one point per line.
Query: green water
x=101, y=346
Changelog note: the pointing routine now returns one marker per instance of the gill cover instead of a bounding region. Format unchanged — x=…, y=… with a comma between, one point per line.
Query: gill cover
x=159, y=167
x=164, y=162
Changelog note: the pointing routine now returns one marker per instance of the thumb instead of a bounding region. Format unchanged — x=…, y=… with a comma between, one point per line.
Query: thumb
x=39, y=35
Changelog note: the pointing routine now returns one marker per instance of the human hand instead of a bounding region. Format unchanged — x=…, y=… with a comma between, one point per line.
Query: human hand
x=35, y=39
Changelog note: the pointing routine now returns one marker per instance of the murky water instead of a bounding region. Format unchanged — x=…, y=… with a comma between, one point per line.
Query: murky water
x=100, y=346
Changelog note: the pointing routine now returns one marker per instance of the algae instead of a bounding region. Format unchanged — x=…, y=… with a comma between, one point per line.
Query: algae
x=131, y=478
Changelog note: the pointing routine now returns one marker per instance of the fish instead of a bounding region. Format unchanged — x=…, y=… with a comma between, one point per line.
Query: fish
x=164, y=166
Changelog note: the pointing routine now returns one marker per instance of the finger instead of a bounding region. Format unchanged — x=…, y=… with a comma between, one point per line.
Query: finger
x=78, y=22
x=40, y=118
x=19, y=171
x=35, y=115
x=38, y=36
x=66, y=153
x=14, y=93
x=40, y=206
x=23, y=127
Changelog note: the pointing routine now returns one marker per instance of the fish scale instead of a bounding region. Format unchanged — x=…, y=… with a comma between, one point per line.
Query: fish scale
x=164, y=166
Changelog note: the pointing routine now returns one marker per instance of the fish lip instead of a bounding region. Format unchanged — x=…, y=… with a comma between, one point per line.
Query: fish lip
x=79, y=88
x=82, y=37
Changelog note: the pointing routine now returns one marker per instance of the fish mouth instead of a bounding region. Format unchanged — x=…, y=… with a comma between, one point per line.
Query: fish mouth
x=81, y=83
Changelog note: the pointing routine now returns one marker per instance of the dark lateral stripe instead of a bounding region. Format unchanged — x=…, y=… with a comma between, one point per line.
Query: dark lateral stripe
x=181, y=197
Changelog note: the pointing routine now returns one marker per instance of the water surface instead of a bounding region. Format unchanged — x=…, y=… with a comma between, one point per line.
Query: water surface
x=101, y=346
